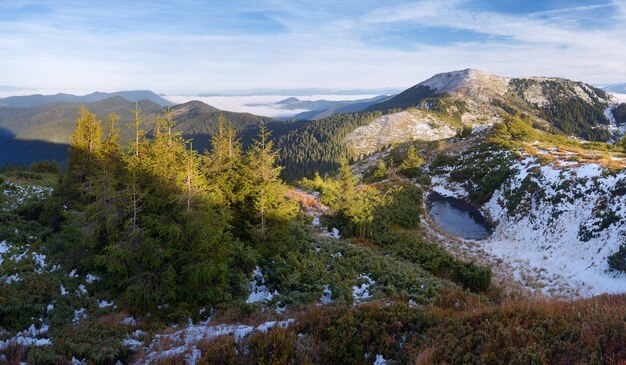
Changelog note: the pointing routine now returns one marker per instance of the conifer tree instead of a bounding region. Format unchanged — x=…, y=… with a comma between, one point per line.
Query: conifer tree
x=84, y=152
x=362, y=208
x=137, y=123
x=412, y=163
x=381, y=171
x=224, y=165
x=347, y=184
x=104, y=212
x=268, y=193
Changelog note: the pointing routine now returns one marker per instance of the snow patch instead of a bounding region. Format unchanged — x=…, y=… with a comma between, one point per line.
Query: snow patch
x=186, y=341
x=89, y=279
x=258, y=291
x=28, y=337
x=559, y=242
x=361, y=292
x=380, y=360
x=327, y=297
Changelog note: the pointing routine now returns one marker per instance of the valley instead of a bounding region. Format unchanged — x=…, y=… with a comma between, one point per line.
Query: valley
x=471, y=210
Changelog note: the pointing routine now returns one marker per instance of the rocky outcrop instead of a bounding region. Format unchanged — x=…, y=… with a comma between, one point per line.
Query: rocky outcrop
x=399, y=127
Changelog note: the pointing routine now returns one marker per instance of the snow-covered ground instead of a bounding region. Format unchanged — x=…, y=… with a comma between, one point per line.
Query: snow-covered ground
x=551, y=239
x=15, y=194
x=185, y=342
x=559, y=236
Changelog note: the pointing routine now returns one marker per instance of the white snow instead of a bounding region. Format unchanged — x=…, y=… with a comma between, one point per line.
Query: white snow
x=12, y=278
x=63, y=291
x=28, y=337
x=361, y=292
x=82, y=290
x=91, y=278
x=79, y=314
x=608, y=113
x=129, y=321
x=185, y=341
x=335, y=233
x=76, y=361
x=380, y=360
x=104, y=304
x=444, y=187
x=4, y=248
x=258, y=291
x=17, y=194
x=545, y=245
x=326, y=298
x=558, y=238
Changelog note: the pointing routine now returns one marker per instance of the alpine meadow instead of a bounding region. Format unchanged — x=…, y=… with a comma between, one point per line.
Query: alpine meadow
x=300, y=182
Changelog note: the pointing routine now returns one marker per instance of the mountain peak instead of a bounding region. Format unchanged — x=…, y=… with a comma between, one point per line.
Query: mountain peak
x=449, y=82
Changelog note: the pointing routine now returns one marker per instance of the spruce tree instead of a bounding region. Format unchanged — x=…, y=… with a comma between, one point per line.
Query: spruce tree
x=412, y=163
x=272, y=210
x=84, y=152
x=224, y=165
x=380, y=172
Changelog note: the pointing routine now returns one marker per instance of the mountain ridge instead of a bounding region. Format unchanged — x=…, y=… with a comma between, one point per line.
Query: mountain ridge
x=27, y=101
x=53, y=124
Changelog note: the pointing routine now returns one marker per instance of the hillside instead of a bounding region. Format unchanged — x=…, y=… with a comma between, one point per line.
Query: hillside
x=556, y=206
x=322, y=109
x=199, y=121
x=478, y=98
x=50, y=125
x=28, y=101
x=344, y=269
x=456, y=102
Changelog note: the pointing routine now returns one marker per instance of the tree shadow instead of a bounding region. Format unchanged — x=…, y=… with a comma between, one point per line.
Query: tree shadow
x=19, y=151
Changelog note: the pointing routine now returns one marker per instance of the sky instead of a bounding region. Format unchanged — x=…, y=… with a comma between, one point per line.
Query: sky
x=203, y=46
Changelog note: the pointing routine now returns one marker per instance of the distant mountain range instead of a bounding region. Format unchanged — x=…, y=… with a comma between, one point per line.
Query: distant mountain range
x=433, y=109
x=29, y=134
x=305, y=92
x=325, y=108
x=28, y=101
x=616, y=88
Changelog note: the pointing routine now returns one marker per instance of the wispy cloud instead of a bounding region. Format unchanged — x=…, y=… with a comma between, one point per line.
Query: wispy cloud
x=198, y=46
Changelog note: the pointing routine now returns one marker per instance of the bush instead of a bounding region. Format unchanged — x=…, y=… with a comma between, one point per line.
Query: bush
x=617, y=261
x=439, y=262
x=44, y=167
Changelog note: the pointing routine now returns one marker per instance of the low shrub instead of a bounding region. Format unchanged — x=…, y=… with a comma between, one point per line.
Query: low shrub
x=617, y=260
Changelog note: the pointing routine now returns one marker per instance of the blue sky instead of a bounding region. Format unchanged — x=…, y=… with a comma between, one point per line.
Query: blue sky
x=197, y=46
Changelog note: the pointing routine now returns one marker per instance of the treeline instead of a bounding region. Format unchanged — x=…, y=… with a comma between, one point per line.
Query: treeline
x=571, y=115
x=577, y=117
x=318, y=146
x=163, y=225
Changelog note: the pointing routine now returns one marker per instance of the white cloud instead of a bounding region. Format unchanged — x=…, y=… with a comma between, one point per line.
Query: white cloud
x=319, y=48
